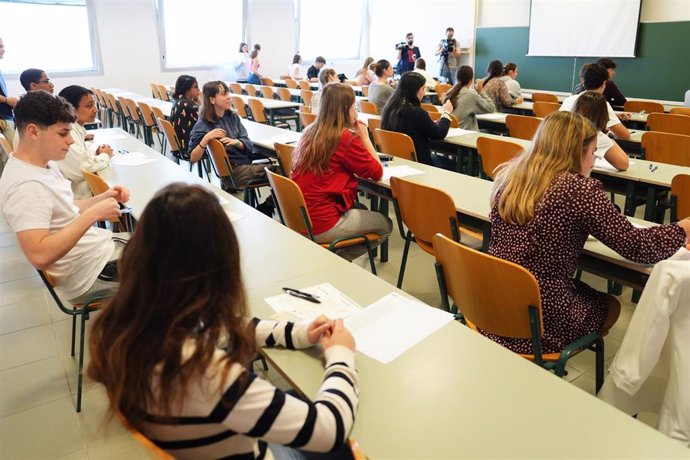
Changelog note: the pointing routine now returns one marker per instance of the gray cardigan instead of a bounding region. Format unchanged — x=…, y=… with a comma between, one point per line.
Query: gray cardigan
x=468, y=104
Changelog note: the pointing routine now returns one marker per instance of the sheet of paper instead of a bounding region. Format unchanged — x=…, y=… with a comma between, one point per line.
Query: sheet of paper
x=282, y=138
x=130, y=159
x=399, y=171
x=392, y=325
x=492, y=116
x=334, y=304
x=604, y=165
x=453, y=132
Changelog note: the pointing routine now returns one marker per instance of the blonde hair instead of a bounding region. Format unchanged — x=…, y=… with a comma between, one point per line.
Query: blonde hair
x=558, y=146
x=320, y=139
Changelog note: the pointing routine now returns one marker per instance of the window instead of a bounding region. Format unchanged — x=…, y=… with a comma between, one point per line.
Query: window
x=57, y=36
x=333, y=37
x=186, y=42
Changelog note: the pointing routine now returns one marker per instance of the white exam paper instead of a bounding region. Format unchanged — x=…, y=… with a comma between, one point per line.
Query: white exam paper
x=392, y=325
x=602, y=163
x=453, y=132
x=399, y=171
x=130, y=159
x=492, y=116
x=334, y=305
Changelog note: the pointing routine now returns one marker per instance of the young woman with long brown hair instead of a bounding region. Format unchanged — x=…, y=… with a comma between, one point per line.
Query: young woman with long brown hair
x=544, y=206
x=174, y=347
x=467, y=101
x=331, y=151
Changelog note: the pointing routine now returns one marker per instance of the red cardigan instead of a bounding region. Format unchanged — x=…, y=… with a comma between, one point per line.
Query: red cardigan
x=334, y=192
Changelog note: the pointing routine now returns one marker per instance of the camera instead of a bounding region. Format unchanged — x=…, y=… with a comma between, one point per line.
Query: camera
x=448, y=48
x=399, y=46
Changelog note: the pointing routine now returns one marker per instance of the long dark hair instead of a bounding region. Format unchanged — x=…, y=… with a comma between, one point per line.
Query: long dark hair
x=592, y=106
x=403, y=100
x=183, y=84
x=493, y=70
x=180, y=282
x=463, y=76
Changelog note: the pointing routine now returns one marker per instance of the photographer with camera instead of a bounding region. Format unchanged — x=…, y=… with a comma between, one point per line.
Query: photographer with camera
x=407, y=54
x=449, y=52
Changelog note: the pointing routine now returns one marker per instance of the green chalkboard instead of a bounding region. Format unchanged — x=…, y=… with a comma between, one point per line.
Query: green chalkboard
x=661, y=69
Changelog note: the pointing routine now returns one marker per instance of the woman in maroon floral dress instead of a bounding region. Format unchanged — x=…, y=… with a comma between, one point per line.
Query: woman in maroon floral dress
x=544, y=205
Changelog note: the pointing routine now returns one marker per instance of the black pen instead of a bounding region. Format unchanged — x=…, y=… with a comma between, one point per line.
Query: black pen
x=301, y=295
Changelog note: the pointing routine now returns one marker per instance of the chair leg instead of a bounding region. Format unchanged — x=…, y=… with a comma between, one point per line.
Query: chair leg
x=372, y=262
x=74, y=328
x=80, y=375
x=406, y=250
x=599, y=363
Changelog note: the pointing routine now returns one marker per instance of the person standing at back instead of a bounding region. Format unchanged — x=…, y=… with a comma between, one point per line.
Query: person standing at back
x=407, y=54
x=7, y=103
x=448, y=51
x=242, y=63
x=295, y=71
x=255, y=76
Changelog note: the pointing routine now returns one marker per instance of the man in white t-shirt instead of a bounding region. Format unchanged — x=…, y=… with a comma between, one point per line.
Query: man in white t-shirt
x=594, y=79
x=55, y=232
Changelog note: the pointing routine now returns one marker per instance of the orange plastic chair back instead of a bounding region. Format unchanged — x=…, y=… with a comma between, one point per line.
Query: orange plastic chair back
x=494, y=152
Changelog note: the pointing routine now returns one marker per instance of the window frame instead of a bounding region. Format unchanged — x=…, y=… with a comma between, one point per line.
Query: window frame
x=97, y=68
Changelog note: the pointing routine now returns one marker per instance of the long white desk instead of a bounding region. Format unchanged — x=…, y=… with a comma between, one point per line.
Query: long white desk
x=453, y=395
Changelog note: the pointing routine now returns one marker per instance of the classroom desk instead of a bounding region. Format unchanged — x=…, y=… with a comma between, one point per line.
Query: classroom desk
x=281, y=84
x=562, y=95
x=448, y=396
x=165, y=106
x=263, y=136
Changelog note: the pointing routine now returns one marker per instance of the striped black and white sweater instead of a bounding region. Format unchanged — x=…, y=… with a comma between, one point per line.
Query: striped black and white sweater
x=252, y=412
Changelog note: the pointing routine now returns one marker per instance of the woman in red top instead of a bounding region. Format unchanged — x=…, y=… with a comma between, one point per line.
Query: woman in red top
x=331, y=151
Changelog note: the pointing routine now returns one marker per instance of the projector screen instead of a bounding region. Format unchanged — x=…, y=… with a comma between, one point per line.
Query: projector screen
x=583, y=28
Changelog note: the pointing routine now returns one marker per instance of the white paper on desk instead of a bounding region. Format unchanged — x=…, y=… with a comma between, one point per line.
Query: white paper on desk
x=283, y=139
x=334, y=305
x=399, y=171
x=492, y=116
x=452, y=132
x=130, y=159
x=603, y=164
x=394, y=324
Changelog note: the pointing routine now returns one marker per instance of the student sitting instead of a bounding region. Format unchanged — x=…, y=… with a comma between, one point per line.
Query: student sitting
x=592, y=106
x=295, y=71
x=403, y=114
x=365, y=75
x=380, y=91
x=34, y=79
x=420, y=68
x=219, y=121
x=580, y=87
x=497, y=89
x=510, y=73
x=174, y=348
x=185, y=109
x=332, y=152
x=612, y=94
x=55, y=232
x=467, y=101
x=82, y=155
x=313, y=70
x=326, y=76
x=544, y=206
x=594, y=79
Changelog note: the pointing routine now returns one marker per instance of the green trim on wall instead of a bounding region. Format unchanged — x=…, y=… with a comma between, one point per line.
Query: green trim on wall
x=661, y=69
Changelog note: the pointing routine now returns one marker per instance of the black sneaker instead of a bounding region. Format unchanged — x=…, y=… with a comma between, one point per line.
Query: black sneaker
x=267, y=207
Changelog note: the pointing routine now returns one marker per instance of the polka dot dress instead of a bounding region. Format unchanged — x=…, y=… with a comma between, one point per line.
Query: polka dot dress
x=573, y=207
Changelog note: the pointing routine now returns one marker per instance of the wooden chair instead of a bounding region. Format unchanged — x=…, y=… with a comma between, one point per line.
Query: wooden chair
x=238, y=104
x=666, y=148
x=235, y=88
x=305, y=95
x=503, y=298
x=368, y=107
x=152, y=449
x=542, y=109
x=134, y=117
x=75, y=310
x=97, y=185
x=284, y=153
x=294, y=214
x=425, y=211
x=223, y=169
x=149, y=121
x=267, y=92
x=669, y=123
x=306, y=118
x=680, y=197
x=178, y=152
x=365, y=91
x=494, y=152
x=521, y=126
x=154, y=91
x=441, y=89
x=680, y=111
x=284, y=94
x=305, y=108
x=545, y=97
x=396, y=144
x=350, y=82
x=647, y=106
x=115, y=113
x=454, y=123
x=250, y=90
x=256, y=107
x=431, y=108
x=158, y=113
x=163, y=91
x=304, y=84
x=373, y=124
x=290, y=83
x=268, y=82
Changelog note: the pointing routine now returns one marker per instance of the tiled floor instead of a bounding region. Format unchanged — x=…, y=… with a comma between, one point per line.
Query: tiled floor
x=38, y=376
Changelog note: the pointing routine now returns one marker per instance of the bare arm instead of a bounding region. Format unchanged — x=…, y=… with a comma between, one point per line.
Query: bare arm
x=620, y=131
x=617, y=157
x=117, y=192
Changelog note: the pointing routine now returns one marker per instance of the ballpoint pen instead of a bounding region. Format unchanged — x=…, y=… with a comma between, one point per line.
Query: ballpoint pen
x=301, y=295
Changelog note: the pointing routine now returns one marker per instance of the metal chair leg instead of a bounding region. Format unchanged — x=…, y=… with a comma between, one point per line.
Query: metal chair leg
x=74, y=327
x=80, y=375
x=406, y=250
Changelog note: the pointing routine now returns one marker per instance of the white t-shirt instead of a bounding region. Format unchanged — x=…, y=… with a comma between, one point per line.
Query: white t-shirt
x=430, y=82
x=295, y=71
x=604, y=143
x=33, y=198
x=81, y=155
x=569, y=103
x=513, y=87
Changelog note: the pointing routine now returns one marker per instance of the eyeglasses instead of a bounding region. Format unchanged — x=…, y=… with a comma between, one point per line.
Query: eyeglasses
x=47, y=80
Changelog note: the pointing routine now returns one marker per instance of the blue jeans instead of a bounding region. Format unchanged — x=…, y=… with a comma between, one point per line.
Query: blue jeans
x=448, y=73
x=253, y=79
